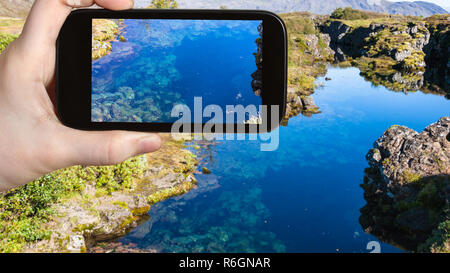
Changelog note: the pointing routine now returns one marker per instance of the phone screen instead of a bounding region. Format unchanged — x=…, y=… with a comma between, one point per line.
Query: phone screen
x=143, y=68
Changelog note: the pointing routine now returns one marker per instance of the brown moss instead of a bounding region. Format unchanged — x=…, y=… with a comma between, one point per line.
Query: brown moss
x=140, y=211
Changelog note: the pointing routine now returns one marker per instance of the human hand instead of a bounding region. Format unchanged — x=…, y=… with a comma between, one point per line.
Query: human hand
x=33, y=141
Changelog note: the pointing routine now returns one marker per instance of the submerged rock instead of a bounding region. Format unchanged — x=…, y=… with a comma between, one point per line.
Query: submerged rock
x=407, y=187
x=205, y=170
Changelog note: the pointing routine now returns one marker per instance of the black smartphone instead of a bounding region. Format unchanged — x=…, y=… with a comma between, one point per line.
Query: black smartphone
x=156, y=70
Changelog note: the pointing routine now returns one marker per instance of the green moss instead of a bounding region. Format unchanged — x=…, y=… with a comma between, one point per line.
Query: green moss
x=121, y=204
x=394, y=126
x=84, y=227
x=126, y=222
x=303, y=82
x=167, y=193
x=386, y=162
x=410, y=177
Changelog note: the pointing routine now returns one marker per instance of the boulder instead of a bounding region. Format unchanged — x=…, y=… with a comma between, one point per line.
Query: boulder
x=401, y=150
x=407, y=187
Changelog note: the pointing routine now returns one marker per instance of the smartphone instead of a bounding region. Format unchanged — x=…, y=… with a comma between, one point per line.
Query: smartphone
x=156, y=70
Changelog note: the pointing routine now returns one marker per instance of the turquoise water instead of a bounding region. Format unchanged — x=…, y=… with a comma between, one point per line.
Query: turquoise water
x=303, y=197
x=162, y=63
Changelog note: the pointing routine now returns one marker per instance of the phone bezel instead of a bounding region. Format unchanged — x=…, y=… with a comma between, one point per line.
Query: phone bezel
x=74, y=65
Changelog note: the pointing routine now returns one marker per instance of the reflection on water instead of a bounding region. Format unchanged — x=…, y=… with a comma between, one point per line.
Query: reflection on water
x=304, y=197
x=161, y=63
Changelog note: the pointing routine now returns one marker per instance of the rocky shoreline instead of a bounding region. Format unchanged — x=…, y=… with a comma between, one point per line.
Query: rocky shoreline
x=407, y=188
x=309, y=53
x=104, y=31
x=402, y=53
x=98, y=209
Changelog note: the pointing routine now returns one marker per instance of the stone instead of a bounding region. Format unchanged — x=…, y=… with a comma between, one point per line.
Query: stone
x=407, y=150
x=407, y=185
x=76, y=244
x=308, y=103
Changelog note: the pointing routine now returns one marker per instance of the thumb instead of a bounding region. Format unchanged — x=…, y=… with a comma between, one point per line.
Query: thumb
x=109, y=147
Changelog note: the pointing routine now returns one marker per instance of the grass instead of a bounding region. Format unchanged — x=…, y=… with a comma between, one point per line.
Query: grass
x=5, y=39
x=358, y=18
x=299, y=23
x=302, y=66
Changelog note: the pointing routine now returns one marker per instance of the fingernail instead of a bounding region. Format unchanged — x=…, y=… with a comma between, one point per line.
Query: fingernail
x=149, y=144
x=73, y=3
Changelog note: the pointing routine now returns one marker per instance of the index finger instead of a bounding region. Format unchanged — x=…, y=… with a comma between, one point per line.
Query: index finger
x=47, y=17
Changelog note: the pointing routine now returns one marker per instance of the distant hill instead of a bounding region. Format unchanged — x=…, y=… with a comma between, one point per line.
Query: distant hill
x=415, y=8
x=320, y=6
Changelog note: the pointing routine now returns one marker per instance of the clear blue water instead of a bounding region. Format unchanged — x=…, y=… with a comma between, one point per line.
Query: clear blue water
x=303, y=197
x=167, y=62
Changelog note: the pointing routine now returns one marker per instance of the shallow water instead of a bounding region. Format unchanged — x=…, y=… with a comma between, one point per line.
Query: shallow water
x=303, y=197
x=163, y=63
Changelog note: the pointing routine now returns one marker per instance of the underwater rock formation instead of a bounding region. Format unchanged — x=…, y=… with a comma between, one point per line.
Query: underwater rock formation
x=128, y=105
x=407, y=187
